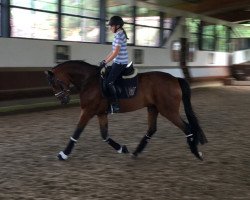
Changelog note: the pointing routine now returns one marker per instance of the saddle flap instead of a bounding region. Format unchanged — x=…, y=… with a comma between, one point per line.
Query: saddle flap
x=130, y=64
x=126, y=85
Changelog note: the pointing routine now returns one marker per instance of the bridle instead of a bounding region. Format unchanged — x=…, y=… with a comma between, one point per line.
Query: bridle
x=64, y=93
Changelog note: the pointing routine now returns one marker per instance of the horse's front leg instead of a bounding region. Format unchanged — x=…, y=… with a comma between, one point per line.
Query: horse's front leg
x=103, y=122
x=152, y=127
x=84, y=118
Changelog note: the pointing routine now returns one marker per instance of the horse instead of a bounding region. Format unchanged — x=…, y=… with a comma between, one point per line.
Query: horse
x=158, y=91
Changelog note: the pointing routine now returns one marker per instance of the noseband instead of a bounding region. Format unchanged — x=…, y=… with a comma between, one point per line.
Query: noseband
x=64, y=93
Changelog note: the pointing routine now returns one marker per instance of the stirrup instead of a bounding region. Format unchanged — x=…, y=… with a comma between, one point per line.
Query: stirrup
x=114, y=108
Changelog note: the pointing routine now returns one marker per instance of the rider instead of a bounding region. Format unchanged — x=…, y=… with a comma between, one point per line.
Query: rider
x=119, y=55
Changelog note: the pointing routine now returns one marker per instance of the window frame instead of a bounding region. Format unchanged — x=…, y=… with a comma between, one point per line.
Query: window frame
x=57, y=10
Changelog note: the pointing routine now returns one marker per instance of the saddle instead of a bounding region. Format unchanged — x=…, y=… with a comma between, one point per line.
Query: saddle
x=126, y=85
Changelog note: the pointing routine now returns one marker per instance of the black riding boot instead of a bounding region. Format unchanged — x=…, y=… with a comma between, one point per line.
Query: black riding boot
x=115, y=108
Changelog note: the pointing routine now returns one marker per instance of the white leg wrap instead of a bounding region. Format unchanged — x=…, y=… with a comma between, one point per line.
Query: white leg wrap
x=106, y=139
x=148, y=137
x=189, y=135
x=63, y=155
x=74, y=140
x=120, y=150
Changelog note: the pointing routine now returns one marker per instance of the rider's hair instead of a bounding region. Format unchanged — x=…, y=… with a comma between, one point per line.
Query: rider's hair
x=118, y=21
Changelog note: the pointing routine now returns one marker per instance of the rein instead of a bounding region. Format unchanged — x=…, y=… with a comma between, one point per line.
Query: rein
x=62, y=95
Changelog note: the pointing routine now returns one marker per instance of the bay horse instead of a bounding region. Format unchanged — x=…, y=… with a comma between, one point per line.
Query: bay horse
x=159, y=92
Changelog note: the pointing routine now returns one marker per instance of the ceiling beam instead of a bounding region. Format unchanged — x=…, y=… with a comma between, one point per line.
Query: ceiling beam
x=211, y=6
x=237, y=16
x=186, y=13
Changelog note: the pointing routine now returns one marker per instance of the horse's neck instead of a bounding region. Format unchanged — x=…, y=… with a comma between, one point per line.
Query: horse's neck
x=81, y=79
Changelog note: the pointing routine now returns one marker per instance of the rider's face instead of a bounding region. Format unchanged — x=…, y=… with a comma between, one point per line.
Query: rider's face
x=112, y=28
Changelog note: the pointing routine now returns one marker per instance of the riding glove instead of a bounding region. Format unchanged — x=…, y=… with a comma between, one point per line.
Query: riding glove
x=102, y=63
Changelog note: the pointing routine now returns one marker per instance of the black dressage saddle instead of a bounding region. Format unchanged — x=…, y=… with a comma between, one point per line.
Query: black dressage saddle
x=126, y=85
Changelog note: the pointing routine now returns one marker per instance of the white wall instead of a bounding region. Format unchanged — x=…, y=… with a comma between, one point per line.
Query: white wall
x=15, y=52
x=210, y=58
x=241, y=56
x=40, y=53
x=210, y=64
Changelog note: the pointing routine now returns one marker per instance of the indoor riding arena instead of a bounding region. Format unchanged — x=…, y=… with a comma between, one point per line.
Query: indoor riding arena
x=166, y=169
x=195, y=40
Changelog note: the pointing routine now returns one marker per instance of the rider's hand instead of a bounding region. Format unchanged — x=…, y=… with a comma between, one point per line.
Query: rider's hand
x=102, y=63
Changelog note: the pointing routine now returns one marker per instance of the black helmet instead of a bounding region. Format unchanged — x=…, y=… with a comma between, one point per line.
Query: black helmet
x=116, y=20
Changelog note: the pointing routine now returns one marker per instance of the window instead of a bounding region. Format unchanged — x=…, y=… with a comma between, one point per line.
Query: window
x=124, y=10
x=147, y=21
x=215, y=38
x=33, y=24
x=1, y=18
x=85, y=8
x=80, y=20
x=80, y=29
x=242, y=32
x=208, y=38
x=147, y=36
x=241, y=43
x=62, y=53
x=46, y=5
x=191, y=52
x=34, y=19
x=175, y=51
x=83, y=21
x=168, y=24
x=138, y=55
x=221, y=38
x=193, y=29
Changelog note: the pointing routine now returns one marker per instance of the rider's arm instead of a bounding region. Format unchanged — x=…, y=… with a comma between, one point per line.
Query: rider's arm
x=108, y=55
x=113, y=54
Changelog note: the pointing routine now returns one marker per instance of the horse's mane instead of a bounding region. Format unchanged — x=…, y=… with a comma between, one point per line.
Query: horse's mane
x=78, y=62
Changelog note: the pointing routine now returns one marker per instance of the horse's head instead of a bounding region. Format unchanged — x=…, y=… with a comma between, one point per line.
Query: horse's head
x=60, y=87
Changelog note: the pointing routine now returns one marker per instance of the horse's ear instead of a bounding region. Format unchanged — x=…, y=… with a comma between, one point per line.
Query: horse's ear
x=49, y=73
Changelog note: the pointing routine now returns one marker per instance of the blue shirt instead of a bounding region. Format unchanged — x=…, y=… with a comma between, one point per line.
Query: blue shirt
x=120, y=40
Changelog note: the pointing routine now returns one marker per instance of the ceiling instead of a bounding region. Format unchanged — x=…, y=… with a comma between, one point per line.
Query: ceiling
x=237, y=11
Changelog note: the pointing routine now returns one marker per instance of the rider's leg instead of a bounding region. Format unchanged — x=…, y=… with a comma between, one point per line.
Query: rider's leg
x=114, y=73
x=114, y=102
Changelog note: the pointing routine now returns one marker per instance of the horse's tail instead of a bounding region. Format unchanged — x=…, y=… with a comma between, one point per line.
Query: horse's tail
x=193, y=121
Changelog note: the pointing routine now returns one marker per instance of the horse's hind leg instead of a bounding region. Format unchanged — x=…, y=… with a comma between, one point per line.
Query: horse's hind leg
x=103, y=122
x=152, y=127
x=176, y=119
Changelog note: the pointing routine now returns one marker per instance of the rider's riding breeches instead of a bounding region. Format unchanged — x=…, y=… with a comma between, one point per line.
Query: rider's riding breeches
x=113, y=75
x=115, y=72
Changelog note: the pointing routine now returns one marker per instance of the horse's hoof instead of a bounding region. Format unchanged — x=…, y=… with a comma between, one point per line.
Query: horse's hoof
x=134, y=155
x=62, y=156
x=124, y=149
x=199, y=155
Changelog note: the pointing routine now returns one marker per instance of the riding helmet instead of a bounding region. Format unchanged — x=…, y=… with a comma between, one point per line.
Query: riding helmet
x=116, y=20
